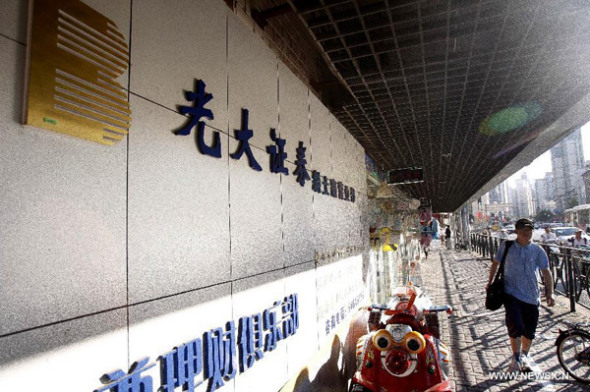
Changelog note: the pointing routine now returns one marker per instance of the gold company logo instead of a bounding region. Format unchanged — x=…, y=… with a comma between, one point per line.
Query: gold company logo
x=75, y=56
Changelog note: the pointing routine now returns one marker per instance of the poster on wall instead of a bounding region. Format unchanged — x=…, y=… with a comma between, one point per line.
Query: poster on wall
x=75, y=56
x=340, y=292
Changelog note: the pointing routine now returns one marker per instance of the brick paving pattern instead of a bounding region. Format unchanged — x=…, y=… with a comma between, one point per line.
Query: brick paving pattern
x=478, y=337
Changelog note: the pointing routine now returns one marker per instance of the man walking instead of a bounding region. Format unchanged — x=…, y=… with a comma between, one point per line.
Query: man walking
x=548, y=237
x=577, y=240
x=522, y=297
x=448, y=237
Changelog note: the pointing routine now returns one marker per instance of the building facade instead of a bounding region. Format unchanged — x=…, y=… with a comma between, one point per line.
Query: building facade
x=499, y=194
x=544, y=192
x=567, y=161
x=522, y=198
x=173, y=243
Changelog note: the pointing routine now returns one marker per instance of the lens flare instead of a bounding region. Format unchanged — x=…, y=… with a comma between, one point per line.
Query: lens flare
x=509, y=119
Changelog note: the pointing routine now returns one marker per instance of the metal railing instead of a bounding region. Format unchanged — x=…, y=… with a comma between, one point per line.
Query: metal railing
x=570, y=267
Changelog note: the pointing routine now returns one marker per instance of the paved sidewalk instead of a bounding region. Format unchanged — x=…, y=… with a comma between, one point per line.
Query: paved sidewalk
x=478, y=338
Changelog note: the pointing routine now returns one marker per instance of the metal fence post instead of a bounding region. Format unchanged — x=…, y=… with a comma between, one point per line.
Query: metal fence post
x=570, y=278
x=494, y=248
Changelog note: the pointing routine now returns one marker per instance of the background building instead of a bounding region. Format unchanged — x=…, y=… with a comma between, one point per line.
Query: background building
x=522, y=198
x=567, y=161
x=544, y=192
x=499, y=194
x=586, y=180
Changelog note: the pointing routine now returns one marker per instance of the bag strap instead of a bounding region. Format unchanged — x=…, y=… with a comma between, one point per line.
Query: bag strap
x=507, y=246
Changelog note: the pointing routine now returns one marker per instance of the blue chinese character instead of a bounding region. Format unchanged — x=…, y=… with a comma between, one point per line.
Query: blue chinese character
x=180, y=366
x=274, y=333
x=221, y=354
x=201, y=98
x=316, y=184
x=243, y=135
x=346, y=193
x=333, y=190
x=300, y=171
x=340, y=187
x=328, y=328
x=352, y=195
x=250, y=341
x=325, y=185
x=290, y=315
x=118, y=381
x=277, y=159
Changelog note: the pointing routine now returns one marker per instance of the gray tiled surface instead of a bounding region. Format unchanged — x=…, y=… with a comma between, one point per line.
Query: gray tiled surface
x=69, y=356
x=13, y=19
x=252, y=83
x=294, y=113
x=62, y=202
x=165, y=65
x=178, y=234
x=255, y=225
x=87, y=228
x=297, y=209
x=320, y=137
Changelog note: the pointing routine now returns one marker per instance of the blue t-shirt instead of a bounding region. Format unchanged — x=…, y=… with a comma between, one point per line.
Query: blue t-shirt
x=520, y=278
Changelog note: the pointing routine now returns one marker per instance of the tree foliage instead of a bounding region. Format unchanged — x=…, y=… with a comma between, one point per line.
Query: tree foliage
x=544, y=216
x=572, y=203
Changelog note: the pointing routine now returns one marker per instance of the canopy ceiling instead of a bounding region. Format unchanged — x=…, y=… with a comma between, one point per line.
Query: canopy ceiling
x=458, y=87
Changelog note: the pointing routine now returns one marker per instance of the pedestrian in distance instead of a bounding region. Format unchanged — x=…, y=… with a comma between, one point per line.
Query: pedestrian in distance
x=448, y=237
x=503, y=235
x=522, y=294
x=548, y=237
x=577, y=240
x=425, y=239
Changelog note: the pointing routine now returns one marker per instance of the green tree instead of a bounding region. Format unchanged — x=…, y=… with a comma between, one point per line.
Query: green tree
x=544, y=216
x=572, y=203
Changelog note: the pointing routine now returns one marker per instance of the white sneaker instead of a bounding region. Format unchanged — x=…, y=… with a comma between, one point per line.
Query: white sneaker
x=514, y=366
x=528, y=364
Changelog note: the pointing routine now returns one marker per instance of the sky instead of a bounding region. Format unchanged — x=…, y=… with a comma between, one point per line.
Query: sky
x=542, y=164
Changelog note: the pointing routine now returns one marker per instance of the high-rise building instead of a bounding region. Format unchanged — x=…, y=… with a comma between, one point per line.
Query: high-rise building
x=522, y=198
x=499, y=194
x=567, y=160
x=544, y=192
x=586, y=180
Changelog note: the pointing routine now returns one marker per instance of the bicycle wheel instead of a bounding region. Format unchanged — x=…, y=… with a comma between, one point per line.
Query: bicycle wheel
x=458, y=247
x=573, y=353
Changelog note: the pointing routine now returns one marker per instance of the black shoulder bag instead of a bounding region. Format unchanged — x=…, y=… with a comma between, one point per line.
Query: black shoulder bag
x=495, y=293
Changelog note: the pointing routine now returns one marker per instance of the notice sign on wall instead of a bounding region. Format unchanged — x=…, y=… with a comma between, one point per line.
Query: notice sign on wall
x=408, y=175
x=75, y=56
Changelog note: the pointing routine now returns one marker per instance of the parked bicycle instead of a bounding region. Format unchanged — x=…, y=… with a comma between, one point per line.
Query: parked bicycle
x=460, y=245
x=573, y=350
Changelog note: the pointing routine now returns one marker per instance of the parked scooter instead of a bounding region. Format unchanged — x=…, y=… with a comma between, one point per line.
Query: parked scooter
x=402, y=351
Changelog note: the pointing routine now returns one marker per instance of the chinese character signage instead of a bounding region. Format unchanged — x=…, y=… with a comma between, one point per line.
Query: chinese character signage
x=276, y=150
x=75, y=56
x=409, y=175
x=215, y=358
